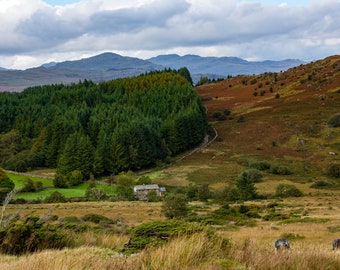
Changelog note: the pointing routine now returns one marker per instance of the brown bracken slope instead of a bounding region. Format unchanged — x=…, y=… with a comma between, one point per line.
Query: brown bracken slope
x=281, y=116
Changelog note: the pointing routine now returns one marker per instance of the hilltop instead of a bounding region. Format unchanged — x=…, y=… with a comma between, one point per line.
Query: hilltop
x=109, y=66
x=278, y=117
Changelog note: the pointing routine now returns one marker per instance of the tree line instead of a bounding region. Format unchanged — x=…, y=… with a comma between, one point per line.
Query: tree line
x=88, y=129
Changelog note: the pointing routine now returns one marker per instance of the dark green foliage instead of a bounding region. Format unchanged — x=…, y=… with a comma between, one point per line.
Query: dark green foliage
x=260, y=165
x=219, y=115
x=334, y=170
x=155, y=233
x=96, y=218
x=334, y=121
x=6, y=185
x=153, y=197
x=203, y=193
x=292, y=236
x=228, y=194
x=227, y=112
x=186, y=74
x=115, y=126
x=124, y=186
x=280, y=170
x=253, y=175
x=55, y=197
x=31, y=235
x=286, y=190
x=275, y=216
x=175, y=206
x=146, y=180
x=191, y=191
x=237, y=215
x=29, y=186
x=320, y=184
x=95, y=194
x=246, y=186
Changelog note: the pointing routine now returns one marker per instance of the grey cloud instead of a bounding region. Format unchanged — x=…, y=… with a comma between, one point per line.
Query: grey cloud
x=45, y=28
x=137, y=19
x=252, y=30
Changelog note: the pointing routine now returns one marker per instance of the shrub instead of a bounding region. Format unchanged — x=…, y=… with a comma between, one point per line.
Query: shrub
x=29, y=186
x=6, y=185
x=321, y=184
x=219, y=115
x=227, y=112
x=153, y=197
x=334, y=121
x=245, y=185
x=286, y=190
x=32, y=235
x=241, y=119
x=175, y=206
x=261, y=165
x=158, y=232
x=55, y=197
x=280, y=170
x=253, y=174
x=95, y=194
x=75, y=178
x=334, y=170
x=96, y=218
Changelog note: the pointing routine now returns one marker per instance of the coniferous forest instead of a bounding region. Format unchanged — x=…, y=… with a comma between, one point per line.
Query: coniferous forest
x=100, y=129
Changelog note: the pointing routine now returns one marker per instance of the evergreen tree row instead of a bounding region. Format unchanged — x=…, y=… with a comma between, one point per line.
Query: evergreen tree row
x=105, y=128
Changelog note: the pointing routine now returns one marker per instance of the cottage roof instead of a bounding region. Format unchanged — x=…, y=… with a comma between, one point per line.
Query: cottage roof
x=146, y=187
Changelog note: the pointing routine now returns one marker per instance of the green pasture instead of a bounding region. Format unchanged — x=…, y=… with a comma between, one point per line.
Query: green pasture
x=21, y=180
x=48, y=189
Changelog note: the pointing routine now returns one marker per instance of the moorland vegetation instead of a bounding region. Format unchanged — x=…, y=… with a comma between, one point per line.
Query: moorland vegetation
x=272, y=171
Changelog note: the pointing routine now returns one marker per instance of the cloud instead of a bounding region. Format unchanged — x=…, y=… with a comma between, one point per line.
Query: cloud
x=144, y=28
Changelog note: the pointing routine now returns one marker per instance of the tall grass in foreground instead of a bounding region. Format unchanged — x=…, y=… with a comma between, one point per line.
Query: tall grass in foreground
x=301, y=257
x=184, y=253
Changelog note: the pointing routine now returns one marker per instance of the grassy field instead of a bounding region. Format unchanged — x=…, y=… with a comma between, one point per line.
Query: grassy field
x=249, y=247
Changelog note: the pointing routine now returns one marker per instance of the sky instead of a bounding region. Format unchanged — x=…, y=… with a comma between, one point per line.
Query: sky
x=35, y=32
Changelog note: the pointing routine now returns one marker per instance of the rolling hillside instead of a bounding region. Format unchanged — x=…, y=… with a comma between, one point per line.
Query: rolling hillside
x=278, y=117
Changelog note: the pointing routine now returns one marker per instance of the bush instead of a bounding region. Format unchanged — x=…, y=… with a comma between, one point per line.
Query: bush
x=334, y=121
x=286, y=190
x=246, y=186
x=55, y=197
x=95, y=194
x=175, y=206
x=334, y=170
x=29, y=186
x=227, y=112
x=156, y=233
x=152, y=196
x=280, y=170
x=321, y=184
x=32, y=235
x=96, y=218
x=219, y=115
x=261, y=165
x=253, y=174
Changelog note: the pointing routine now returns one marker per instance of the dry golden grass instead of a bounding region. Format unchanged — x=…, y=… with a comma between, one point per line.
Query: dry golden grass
x=90, y=258
x=187, y=253
x=129, y=212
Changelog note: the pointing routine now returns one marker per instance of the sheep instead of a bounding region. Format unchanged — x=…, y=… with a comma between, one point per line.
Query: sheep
x=281, y=243
x=336, y=244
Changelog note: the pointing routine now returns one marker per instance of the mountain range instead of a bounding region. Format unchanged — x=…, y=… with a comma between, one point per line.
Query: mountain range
x=108, y=66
